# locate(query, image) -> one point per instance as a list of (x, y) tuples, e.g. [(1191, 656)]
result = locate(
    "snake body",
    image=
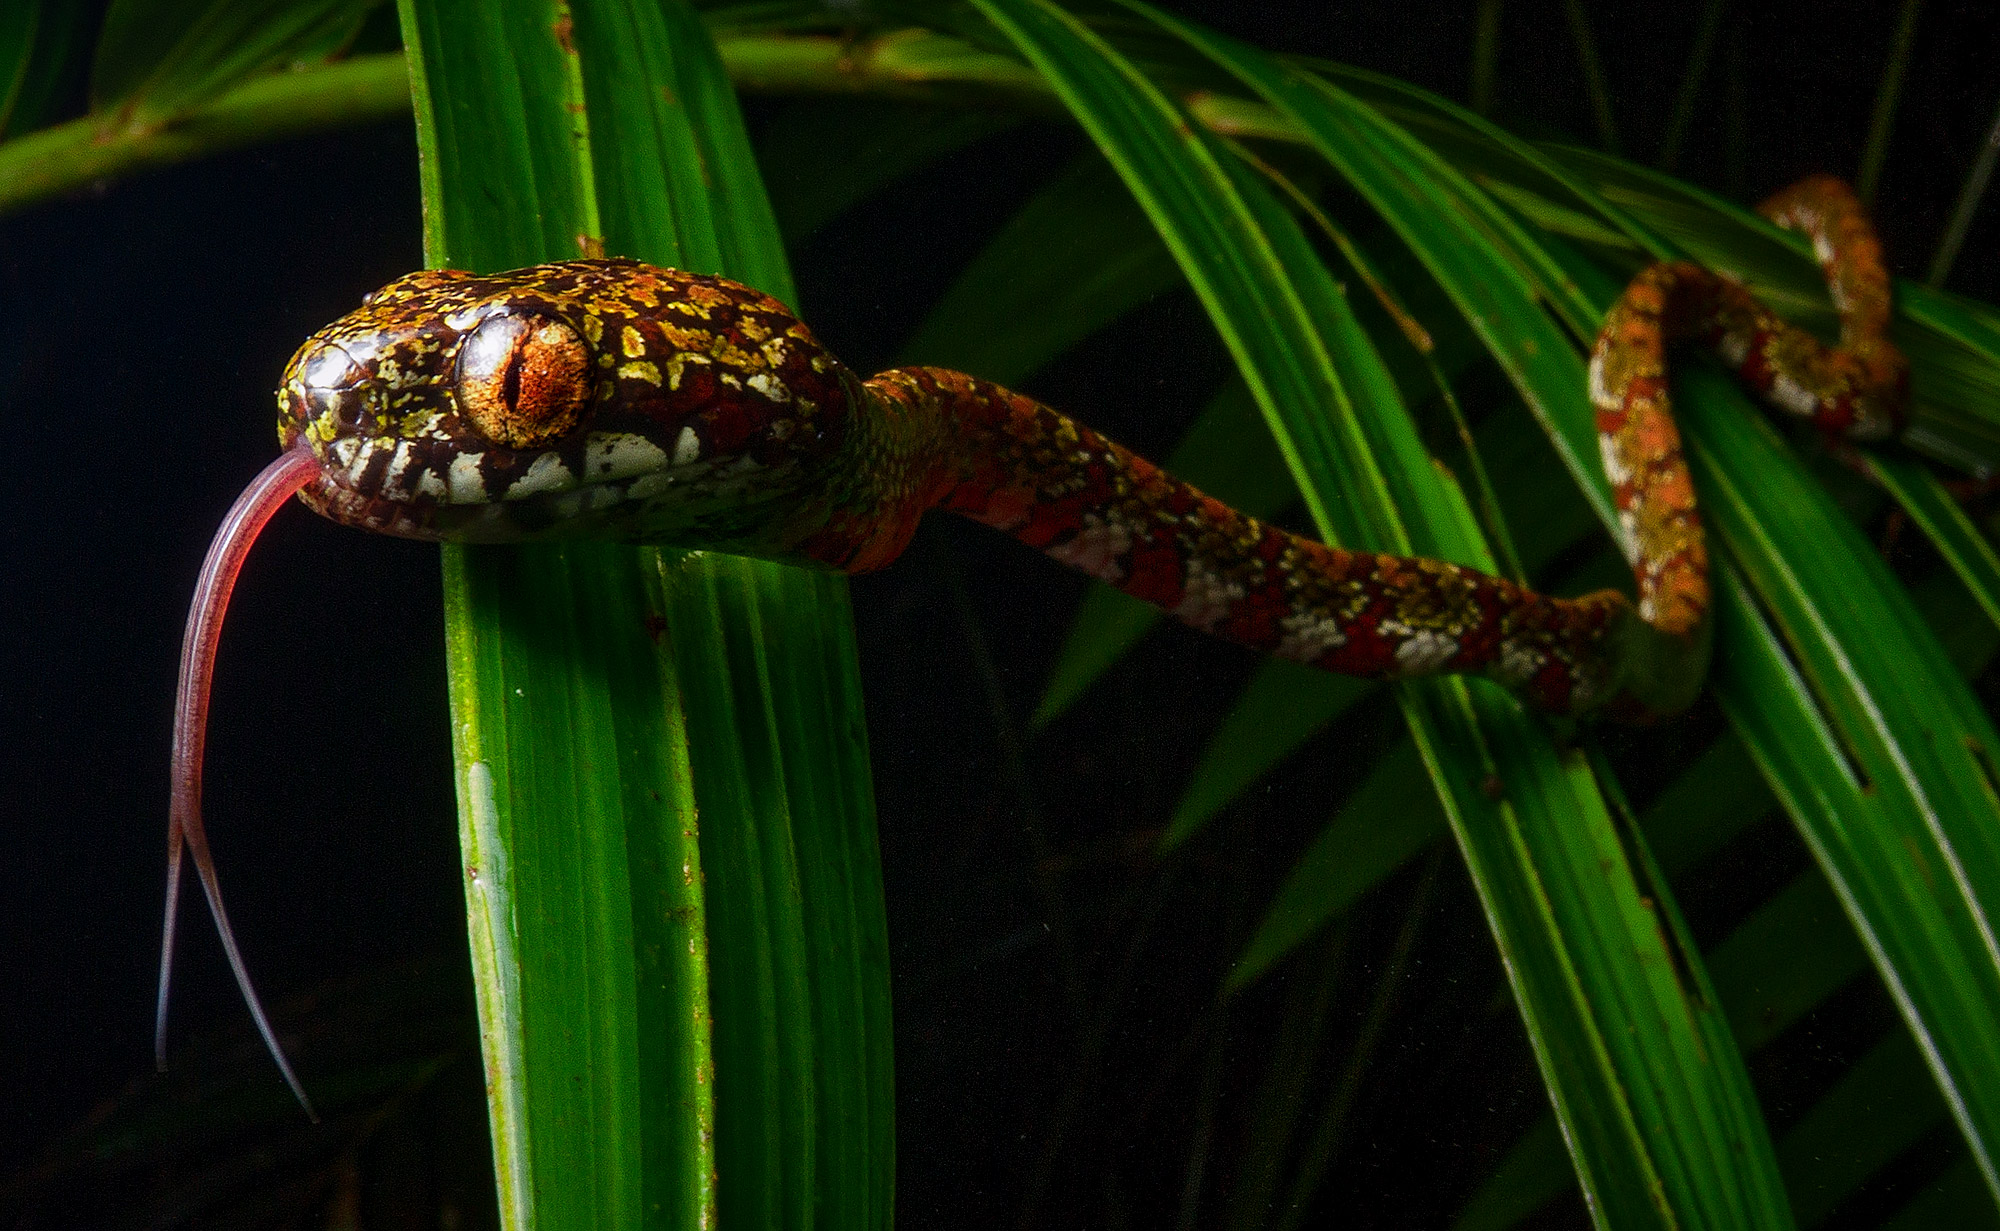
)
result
[(617, 400), (613, 399)]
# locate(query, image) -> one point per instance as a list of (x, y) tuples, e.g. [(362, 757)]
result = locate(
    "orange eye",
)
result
[(523, 380)]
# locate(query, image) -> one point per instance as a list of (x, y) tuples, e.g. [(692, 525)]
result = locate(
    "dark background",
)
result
[(146, 323)]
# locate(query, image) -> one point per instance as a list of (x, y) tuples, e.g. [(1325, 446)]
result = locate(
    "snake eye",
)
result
[(523, 379)]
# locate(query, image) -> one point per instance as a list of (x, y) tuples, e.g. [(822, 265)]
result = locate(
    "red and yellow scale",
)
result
[(616, 400)]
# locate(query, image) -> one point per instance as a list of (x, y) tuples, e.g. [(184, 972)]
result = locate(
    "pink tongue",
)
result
[(278, 482)]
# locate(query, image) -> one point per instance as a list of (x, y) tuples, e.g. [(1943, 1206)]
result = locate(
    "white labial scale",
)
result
[(358, 465), (1096, 548), (620, 455), (687, 447), (1734, 348), (1206, 598), (464, 484), (392, 480), (545, 474)]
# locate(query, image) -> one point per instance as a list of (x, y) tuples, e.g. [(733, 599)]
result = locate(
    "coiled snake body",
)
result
[(612, 399)]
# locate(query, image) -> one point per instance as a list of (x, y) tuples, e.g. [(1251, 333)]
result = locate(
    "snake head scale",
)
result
[(600, 398)]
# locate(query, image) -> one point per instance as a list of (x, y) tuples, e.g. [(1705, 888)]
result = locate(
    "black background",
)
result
[(146, 323)]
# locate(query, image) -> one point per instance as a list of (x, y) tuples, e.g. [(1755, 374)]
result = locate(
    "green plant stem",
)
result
[(1485, 55), (1332, 1122), (1887, 95), (1968, 204), (1735, 113), (69, 156), (914, 65), (1593, 75), (1697, 70)]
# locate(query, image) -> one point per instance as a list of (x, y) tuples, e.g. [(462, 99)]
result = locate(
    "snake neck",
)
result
[(927, 438)]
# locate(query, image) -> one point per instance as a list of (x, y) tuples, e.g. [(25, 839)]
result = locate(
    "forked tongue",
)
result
[(278, 482)]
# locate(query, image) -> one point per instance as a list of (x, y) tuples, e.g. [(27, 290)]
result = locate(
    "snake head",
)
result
[(599, 398)]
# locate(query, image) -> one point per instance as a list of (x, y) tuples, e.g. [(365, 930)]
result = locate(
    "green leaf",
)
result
[(1912, 729), (1711, 802), (158, 58), (821, 158), (1904, 826), (1942, 519), (1957, 1199), (1825, 1159), (1282, 707), (1284, 320), (19, 24), (1787, 957), (634, 886), (1075, 258), (41, 46), (1388, 820), (1531, 1175)]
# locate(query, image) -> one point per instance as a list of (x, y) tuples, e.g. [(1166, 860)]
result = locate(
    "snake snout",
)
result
[(327, 394)]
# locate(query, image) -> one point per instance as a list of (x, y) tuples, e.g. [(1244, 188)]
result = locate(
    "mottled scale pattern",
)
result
[(1854, 390), (711, 417), (1014, 464), (708, 403)]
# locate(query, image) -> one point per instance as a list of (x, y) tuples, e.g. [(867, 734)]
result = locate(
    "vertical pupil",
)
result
[(522, 378), (510, 377)]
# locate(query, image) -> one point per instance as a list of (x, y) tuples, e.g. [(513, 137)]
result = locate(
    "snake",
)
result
[(611, 399)]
